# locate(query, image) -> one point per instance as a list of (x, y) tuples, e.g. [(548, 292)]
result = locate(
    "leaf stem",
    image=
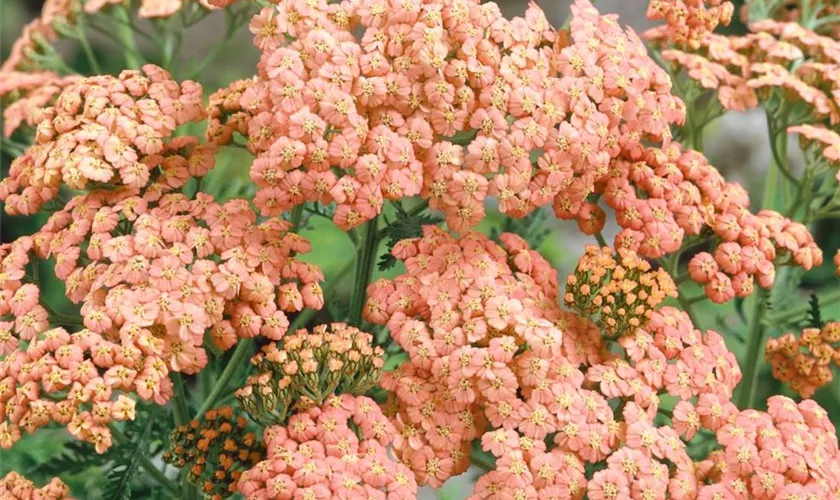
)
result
[(86, 48), (239, 354), (364, 271), (125, 34), (600, 238), (182, 413), (147, 464), (755, 335)]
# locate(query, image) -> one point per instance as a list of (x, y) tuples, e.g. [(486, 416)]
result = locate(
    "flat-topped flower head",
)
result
[(108, 131), (335, 450)]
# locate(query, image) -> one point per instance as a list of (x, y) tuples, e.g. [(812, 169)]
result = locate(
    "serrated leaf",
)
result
[(814, 313), (118, 484)]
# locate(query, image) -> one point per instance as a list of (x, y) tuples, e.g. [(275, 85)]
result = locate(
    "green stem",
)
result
[(125, 34), (239, 354), (755, 332), (296, 217), (147, 464), (600, 238), (86, 48), (483, 462), (182, 413), (364, 271)]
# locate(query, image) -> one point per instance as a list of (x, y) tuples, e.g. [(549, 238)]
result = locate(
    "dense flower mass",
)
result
[(215, 451), (153, 277), (306, 368), (803, 66), (788, 452), (491, 357), (805, 361), (451, 101), (16, 487), (355, 103), (110, 131), (338, 450), (688, 20), (25, 94)]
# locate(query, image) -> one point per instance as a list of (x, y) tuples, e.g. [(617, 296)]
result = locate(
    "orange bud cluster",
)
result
[(216, 450), (805, 361), (304, 369), (621, 289)]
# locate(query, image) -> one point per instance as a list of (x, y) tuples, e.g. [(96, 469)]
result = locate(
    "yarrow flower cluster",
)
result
[(337, 450), (492, 357), (451, 98), (822, 143), (668, 195), (305, 368), (16, 487), (25, 95), (788, 452), (688, 20), (462, 311), (805, 361), (152, 9), (154, 278), (801, 65), (216, 450), (620, 288), (109, 131)]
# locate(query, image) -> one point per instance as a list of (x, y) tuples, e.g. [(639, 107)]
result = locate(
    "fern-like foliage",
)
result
[(120, 477), (407, 224), (815, 319), (531, 228)]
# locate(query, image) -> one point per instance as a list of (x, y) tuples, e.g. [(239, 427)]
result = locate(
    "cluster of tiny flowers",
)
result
[(462, 311), (748, 246), (153, 9), (16, 487), (620, 288), (788, 452), (216, 449), (450, 100), (74, 380), (822, 143), (39, 30), (662, 196), (338, 450), (801, 65), (112, 131), (305, 368), (571, 401), (805, 361), (153, 278), (688, 20), (487, 360), (25, 94)]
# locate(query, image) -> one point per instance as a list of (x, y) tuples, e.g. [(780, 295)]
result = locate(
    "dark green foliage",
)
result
[(120, 477), (814, 315), (531, 228), (407, 224)]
